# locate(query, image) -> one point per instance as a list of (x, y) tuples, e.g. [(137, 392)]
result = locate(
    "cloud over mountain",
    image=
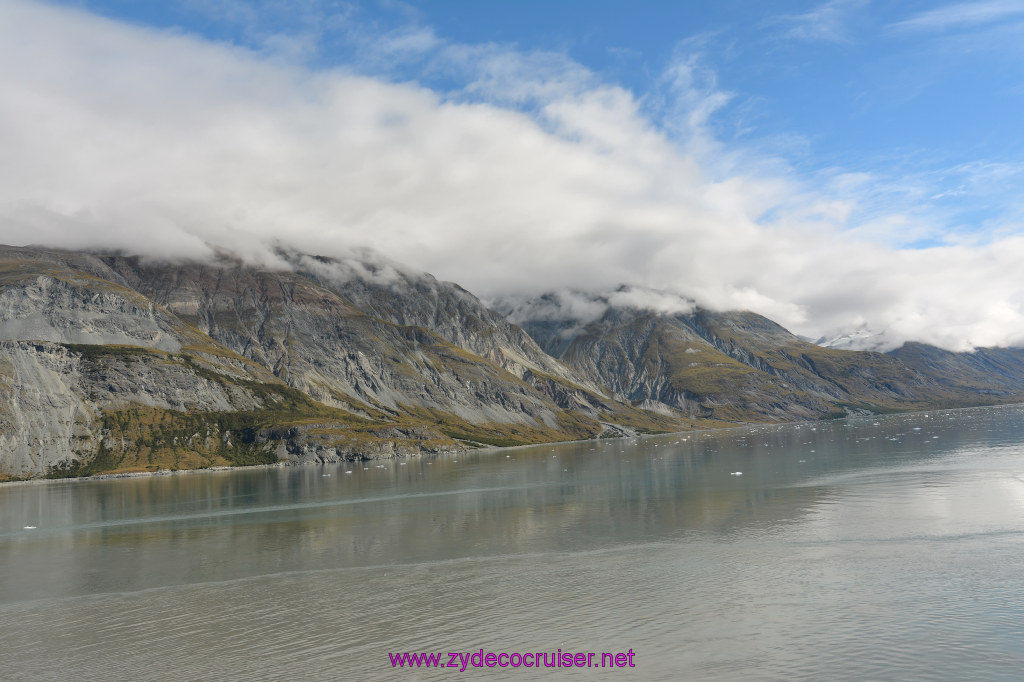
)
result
[(531, 175)]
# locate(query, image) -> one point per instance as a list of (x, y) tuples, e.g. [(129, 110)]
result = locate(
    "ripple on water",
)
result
[(837, 555)]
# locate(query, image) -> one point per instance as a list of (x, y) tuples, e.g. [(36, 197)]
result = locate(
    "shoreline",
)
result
[(149, 474), (288, 463), (488, 448)]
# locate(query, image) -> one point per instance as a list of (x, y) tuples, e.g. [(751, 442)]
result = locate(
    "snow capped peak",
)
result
[(861, 338)]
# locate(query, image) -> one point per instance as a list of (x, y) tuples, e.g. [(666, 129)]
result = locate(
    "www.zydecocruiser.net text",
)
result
[(463, 660)]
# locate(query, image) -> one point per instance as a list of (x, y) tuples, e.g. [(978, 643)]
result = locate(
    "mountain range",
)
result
[(117, 363)]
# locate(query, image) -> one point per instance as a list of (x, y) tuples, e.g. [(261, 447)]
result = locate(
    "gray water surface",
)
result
[(887, 548)]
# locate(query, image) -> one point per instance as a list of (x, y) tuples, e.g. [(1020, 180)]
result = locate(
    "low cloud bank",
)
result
[(581, 308), (117, 136)]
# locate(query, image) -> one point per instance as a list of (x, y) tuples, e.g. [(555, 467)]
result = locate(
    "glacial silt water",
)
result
[(886, 548)]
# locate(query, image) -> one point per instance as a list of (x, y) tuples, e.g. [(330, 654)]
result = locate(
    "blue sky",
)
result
[(851, 164)]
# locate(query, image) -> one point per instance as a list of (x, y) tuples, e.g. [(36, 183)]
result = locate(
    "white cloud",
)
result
[(569, 305), (828, 22), (961, 15), (536, 177), (662, 302), (363, 264)]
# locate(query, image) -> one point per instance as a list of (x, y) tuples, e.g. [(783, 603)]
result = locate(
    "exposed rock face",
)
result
[(995, 372), (48, 308), (151, 357), (44, 416), (742, 366), (665, 362), (307, 444), (112, 363), (403, 297), (317, 341), (56, 400)]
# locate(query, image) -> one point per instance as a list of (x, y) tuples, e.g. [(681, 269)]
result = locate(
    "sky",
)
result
[(842, 166)]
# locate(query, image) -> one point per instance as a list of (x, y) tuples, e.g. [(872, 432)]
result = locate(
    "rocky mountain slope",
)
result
[(111, 362), (741, 366), (995, 372), (135, 352), (94, 376)]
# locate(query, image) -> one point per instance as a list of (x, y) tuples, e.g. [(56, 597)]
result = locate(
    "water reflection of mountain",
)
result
[(120, 535)]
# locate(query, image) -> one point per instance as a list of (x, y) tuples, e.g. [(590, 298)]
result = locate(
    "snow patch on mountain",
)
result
[(859, 339)]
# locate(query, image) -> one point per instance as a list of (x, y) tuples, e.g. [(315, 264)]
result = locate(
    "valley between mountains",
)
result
[(114, 363)]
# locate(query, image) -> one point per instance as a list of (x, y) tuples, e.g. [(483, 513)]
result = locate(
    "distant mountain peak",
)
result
[(860, 338)]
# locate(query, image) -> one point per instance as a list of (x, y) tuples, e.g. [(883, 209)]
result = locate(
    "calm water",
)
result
[(872, 548)]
